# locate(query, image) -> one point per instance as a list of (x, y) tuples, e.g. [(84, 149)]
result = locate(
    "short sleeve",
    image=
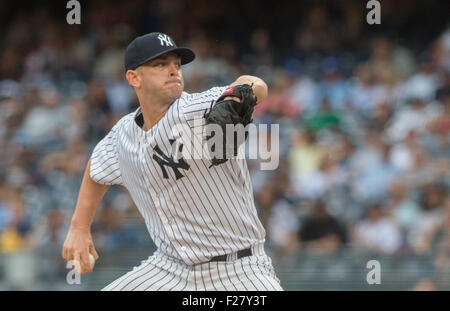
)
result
[(105, 168)]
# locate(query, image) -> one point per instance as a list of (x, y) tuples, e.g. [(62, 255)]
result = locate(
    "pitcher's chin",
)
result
[(175, 91)]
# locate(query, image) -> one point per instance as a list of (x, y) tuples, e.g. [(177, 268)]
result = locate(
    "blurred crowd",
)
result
[(364, 125)]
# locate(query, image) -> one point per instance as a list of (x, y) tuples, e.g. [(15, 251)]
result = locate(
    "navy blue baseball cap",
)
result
[(152, 45)]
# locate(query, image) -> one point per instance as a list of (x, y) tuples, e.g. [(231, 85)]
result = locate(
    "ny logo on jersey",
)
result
[(165, 40), (164, 160)]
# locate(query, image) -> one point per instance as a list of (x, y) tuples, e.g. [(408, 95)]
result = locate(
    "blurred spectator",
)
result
[(377, 232), (426, 170), (414, 117), (366, 93), (401, 206), (443, 242), (423, 84), (109, 229), (100, 118), (387, 56), (264, 202), (208, 70), (381, 114), (376, 175), (10, 65), (63, 171), (332, 85), (403, 154), (278, 104), (303, 90), (79, 112), (49, 235), (324, 118), (321, 232), (44, 125), (306, 154), (422, 233), (120, 94), (16, 230), (260, 56), (441, 123), (316, 33), (110, 61), (282, 228), (305, 159), (325, 180)]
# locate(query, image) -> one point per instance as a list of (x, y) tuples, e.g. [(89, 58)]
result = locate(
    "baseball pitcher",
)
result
[(199, 210)]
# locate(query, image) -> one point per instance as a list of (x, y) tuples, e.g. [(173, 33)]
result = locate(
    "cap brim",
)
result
[(186, 55)]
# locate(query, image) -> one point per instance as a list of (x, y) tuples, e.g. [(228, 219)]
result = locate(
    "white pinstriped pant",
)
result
[(162, 273)]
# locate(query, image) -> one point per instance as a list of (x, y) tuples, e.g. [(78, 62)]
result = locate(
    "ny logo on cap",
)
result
[(165, 40)]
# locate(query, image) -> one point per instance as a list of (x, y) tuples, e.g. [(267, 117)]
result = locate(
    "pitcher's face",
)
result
[(162, 77)]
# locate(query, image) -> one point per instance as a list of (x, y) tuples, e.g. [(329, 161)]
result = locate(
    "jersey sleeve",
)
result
[(196, 104), (105, 168)]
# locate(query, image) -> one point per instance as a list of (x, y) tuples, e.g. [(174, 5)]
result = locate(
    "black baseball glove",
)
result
[(230, 111)]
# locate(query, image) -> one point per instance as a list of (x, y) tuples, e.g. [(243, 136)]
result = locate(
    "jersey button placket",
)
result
[(142, 142), (146, 156), (143, 154)]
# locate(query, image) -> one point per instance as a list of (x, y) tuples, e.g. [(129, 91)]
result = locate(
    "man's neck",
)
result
[(152, 114)]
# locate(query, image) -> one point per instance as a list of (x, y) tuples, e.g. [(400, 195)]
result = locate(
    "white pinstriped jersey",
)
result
[(192, 211)]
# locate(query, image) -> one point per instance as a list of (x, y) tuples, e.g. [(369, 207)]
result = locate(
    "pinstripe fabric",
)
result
[(192, 211), (164, 273)]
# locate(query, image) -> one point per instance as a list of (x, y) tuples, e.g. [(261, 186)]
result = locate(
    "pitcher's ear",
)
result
[(133, 78)]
